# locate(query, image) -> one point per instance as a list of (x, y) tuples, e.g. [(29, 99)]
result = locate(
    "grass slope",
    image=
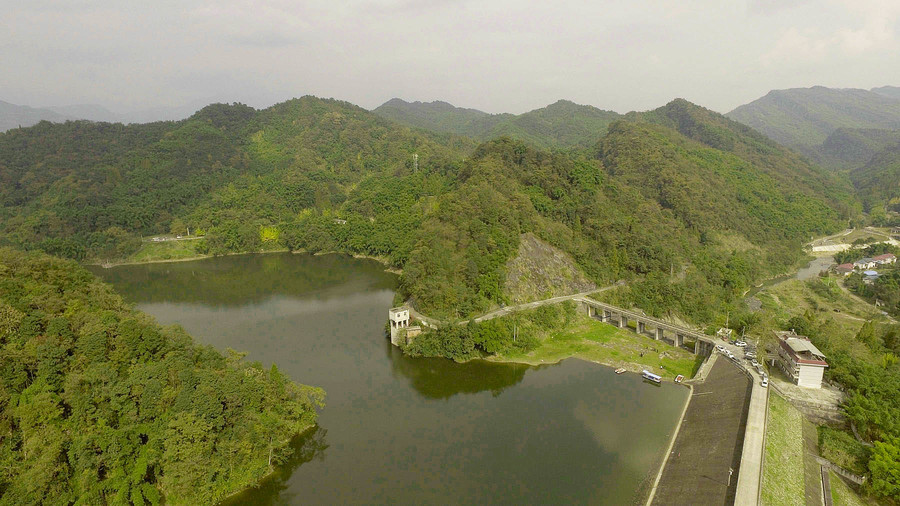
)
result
[(783, 470), (588, 339)]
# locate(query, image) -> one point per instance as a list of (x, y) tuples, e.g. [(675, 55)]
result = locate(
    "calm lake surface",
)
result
[(403, 430)]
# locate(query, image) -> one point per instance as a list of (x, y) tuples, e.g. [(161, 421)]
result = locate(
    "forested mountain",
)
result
[(878, 181), (100, 405), (888, 91), (678, 191), (851, 148), (15, 116), (90, 112), (439, 117), (803, 118), (562, 124), (806, 116)]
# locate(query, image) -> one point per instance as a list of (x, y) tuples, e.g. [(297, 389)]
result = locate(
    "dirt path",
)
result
[(864, 302)]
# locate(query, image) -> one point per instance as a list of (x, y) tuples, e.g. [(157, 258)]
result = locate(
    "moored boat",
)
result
[(620, 370), (647, 375), (679, 378)]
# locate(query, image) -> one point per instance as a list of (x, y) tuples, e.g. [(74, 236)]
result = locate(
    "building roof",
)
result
[(870, 273), (886, 256), (863, 261), (801, 349), (844, 267)]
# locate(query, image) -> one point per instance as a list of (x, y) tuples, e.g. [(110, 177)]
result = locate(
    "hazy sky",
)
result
[(498, 56)]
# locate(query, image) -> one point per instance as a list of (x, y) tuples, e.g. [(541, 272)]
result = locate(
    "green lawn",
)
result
[(603, 343), (842, 494), (783, 470), (167, 250)]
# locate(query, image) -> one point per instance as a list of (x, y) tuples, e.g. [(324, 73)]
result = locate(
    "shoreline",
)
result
[(382, 260), (270, 474), (503, 360)]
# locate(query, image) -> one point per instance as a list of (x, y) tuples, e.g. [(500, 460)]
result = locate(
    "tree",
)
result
[(885, 467)]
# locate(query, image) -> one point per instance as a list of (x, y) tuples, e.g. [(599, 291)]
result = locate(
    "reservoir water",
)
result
[(403, 430)]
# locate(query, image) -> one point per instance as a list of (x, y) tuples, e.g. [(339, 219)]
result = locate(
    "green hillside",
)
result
[(803, 118), (854, 147), (888, 91), (100, 405), (562, 124), (679, 191), (878, 181), (439, 117)]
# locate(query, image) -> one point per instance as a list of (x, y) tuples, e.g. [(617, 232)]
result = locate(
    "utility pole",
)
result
[(416, 162)]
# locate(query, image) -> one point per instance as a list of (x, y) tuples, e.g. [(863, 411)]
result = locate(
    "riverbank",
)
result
[(601, 343), (382, 260), (275, 471)]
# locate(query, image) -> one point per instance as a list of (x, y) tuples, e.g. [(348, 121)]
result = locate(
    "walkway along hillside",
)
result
[(703, 344)]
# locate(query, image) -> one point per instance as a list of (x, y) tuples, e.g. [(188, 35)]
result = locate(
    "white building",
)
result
[(399, 317), (864, 263), (800, 359)]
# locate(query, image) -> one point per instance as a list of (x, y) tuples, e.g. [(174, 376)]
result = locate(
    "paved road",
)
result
[(750, 472)]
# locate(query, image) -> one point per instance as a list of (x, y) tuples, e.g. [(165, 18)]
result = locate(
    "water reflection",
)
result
[(274, 489), (239, 279), (438, 378), (404, 430)]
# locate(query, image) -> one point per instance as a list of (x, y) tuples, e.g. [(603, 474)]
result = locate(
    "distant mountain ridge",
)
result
[(562, 124), (841, 129), (888, 91), (805, 117), (15, 116), (649, 192)]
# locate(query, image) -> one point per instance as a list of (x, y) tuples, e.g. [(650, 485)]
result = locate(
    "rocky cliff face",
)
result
[(540, 271)]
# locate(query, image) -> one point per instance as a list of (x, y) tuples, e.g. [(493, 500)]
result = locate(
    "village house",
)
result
[(869, 277), (864, 263), (799, 358), (887, 258), (844, 269)]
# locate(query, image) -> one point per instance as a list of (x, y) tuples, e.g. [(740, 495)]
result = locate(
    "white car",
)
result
[(729, 354), (720, 348), (740, 344), (764, 383), (754, 363)]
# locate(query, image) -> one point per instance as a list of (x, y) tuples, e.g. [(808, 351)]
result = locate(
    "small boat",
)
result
[(620, 370), (647, 375), (679, 378)]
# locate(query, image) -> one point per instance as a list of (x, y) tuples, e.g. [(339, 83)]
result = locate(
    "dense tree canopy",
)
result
[(100, 405), (678, 196)]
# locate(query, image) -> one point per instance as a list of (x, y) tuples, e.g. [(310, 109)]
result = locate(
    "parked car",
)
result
[(764, 383), (754, 363), (720, 348), (740, 344)]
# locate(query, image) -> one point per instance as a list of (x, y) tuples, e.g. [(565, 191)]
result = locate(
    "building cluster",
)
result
[(867, 266), (799, 358)]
